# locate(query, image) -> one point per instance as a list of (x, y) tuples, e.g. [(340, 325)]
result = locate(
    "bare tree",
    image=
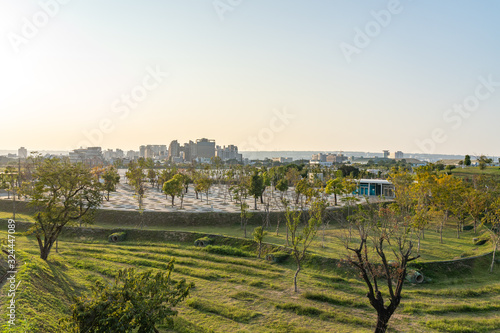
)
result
[(381, 230)]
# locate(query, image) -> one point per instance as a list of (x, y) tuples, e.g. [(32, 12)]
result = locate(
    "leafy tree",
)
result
[(477, 202), (467, 161), (302, 188), (135, 302), (349, 170), (292, 175), (380, 231), (301, 239), (165, 175), (135, 176), (492, 222), (402, 181), (152, 176), (445, 197), (174, 187), (62, 193), (258, 236), (282, 186), (256, 187), (335, 186), (205, 184), (111, 179), (484, 161)]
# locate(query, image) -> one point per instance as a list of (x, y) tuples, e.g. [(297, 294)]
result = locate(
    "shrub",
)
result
[(204, 241), (117, 237), (227, 250), (277, 257)]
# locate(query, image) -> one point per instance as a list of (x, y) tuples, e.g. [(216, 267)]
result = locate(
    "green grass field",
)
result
[(246, 294), (469, 171)]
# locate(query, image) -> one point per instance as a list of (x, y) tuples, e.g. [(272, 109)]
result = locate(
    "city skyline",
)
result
[(288, 75)]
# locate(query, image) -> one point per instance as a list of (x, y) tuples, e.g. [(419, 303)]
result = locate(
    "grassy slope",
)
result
[(431, 249), (249, 295)]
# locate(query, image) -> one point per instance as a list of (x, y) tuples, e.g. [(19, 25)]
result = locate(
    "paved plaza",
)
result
[(219, 199)]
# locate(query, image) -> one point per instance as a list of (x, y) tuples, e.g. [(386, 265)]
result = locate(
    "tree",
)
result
[(135, 302), (282, 186), (445, 195), (476, 202), (62, 193), (349, 170), (245, 215), (492, 222), (258, 236), (135, 176), (484, 161), (301, 239), (111, 179), (381, 230), (256, 187), (467, 161), (301, 188), (205, 184), (174, 187), (334, 186)]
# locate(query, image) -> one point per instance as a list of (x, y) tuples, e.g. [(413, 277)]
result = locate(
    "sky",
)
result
[(416, 76)]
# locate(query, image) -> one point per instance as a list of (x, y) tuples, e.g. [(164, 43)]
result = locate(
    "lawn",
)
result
[(246, 294)]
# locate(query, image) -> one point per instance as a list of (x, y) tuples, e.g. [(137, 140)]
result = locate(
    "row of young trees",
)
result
[(427, 197)]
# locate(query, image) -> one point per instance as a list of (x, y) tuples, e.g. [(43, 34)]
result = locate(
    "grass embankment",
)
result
[(237, 293)]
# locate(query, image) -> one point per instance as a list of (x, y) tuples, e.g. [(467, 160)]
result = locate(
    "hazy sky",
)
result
[(416, 76)]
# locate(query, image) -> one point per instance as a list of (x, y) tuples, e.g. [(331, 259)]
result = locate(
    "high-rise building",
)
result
[(386, 153), (142, 151), (399, 154), (22, 153), (228, 153), (205, 148), (173, 150), (91, 156)]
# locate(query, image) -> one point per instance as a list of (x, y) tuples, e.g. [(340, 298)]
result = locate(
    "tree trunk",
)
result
[(295, 278), (278, 226), (418, 243), (382, 322), (335, 198), (255, 203), (173, 200), (260, 248), (44, 248), (287, 235)]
